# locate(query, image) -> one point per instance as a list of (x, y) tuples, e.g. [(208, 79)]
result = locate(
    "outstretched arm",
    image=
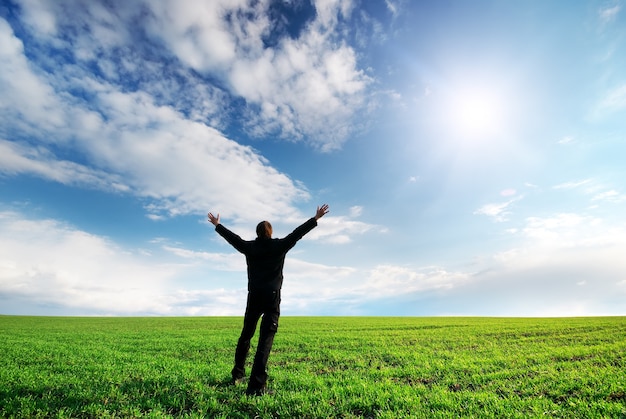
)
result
[(234, 240), (290, 240), (214, 220), (321, 211)]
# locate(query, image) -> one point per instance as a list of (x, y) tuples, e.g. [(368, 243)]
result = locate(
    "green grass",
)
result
[(350, 367)]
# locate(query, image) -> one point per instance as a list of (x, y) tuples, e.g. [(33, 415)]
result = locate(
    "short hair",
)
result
[(264, 230)]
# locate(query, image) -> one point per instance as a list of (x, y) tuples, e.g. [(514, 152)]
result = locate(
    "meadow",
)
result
[(321, 367)]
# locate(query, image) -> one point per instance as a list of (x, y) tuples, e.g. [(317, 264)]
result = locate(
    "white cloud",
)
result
[(40, 16), (232, 261), (388, 280), (48, 267), (498, 211), (329, 11), (567, 264), (341, 229), (347, 290), (563, 265), (45, 263), (307, 87), (214, 302), (304, 88), (23, 92), (300, 270), (567, 239), (130, 141), (197, 33), (563, 227), (133, 144)]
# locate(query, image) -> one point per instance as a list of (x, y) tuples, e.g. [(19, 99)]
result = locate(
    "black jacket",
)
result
[(266, 257)]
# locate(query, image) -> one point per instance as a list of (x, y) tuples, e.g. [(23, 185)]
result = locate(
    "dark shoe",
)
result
[(259, 391), (236, 381)]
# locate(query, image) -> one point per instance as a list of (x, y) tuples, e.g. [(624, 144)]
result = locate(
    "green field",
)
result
[(320, 367)]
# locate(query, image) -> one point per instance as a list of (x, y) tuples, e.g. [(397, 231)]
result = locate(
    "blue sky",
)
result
[(472, 154)]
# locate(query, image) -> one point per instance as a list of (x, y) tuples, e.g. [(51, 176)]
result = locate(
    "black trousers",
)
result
[(267, 305)]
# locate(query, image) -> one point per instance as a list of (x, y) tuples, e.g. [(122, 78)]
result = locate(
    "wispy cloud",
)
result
[(356, 211), (565, 140), (392, 7), (508, 192), (598, 192), (608, 14), (612, 102), (572, 184), (609, 196), (16, 158)]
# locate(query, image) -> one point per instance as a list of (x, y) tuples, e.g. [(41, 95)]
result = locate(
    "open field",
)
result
[(320, 367)]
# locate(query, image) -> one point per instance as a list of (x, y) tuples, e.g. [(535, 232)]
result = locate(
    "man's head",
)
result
[(264, 230)]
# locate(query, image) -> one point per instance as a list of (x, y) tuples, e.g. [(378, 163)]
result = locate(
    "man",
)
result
[(265, 258)]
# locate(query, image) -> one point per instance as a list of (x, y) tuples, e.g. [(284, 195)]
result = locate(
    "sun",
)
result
[(477, 109), (476, 112)]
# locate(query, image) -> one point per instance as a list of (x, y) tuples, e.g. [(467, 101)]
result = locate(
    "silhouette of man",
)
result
[(265, 257)]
